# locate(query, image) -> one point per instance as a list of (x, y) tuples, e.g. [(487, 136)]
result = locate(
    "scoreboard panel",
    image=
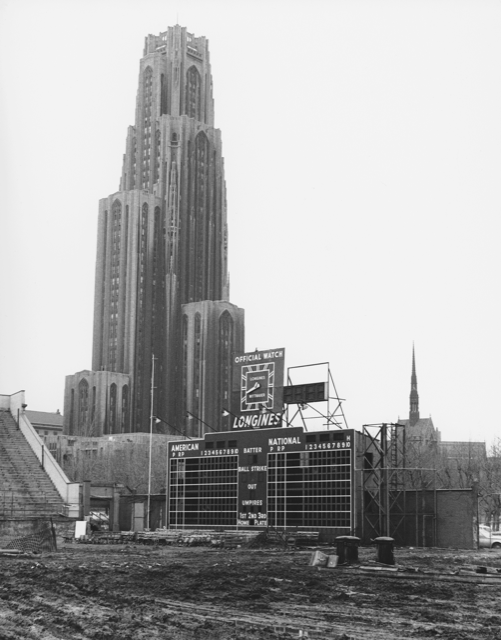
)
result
[(266, 477), (203, 491), (310, 489)]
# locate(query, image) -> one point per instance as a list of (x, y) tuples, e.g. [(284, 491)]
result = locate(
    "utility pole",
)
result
[(151, 439)]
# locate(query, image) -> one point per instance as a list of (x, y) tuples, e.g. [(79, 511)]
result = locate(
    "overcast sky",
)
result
[(362, 144)]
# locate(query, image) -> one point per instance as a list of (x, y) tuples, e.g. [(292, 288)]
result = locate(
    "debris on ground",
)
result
[(183, 592)]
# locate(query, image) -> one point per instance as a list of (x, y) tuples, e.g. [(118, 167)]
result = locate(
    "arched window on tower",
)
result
[(116, 231), (147, 91), (156, 174), (93, 410), (193, 93), (113, 408), (197, 362), (72, 412), (157, 307), (163, 95), (147, 106), (103, 260), (141, 316), (225, 350), (125, 409), (202, 192), (83, 407), (134, 161)]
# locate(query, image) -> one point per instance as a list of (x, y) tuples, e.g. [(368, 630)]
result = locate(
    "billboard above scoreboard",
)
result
[(258, 383)]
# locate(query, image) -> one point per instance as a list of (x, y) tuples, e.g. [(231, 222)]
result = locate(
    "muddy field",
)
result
[(133, 591)]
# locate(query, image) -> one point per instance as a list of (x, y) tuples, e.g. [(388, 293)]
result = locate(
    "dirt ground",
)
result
[(132, 591)]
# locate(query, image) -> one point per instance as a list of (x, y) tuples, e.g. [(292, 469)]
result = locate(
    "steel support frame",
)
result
[(385, 484), (331, 411)]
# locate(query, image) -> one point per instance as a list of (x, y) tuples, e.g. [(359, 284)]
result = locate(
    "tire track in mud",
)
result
[(301, 621), (81, 618), (102, 594)]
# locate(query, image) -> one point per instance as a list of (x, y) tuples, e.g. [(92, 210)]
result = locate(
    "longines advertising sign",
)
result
[(258, 389)]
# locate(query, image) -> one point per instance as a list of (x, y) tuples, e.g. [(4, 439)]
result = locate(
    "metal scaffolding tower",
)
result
[(320, 406), (398, 501)]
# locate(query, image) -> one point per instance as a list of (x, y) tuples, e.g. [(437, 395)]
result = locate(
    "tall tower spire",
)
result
[(414, 397), (161, 293)]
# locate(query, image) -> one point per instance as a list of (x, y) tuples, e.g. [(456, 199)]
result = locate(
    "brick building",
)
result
[(46, 423)]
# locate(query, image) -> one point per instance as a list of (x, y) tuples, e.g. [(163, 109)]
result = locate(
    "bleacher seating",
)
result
[(25, 488)]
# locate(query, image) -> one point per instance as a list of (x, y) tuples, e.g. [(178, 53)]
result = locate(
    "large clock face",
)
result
[(257, 386)]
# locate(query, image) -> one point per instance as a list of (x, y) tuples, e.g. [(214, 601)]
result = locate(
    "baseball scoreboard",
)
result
[(279, 477)]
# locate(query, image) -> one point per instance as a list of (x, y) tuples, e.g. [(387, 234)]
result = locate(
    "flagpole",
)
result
[(151, 440)]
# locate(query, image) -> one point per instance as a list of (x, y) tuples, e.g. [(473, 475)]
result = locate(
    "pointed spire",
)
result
[(414, 397)]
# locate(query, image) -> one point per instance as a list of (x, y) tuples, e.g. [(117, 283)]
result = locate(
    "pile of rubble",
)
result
[(198, 537)]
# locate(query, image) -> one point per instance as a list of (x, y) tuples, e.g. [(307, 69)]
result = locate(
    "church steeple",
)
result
[(414, 397)]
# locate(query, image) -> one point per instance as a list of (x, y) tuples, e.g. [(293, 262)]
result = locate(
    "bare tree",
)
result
[(461, 465), (126, 463), (490, 489)]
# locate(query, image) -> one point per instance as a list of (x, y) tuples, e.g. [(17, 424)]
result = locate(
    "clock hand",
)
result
[(256, 386)]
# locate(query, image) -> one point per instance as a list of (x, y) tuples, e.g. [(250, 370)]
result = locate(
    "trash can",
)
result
[(347, 549), (384, 550)]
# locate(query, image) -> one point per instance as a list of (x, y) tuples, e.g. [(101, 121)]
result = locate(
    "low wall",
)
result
[(11, 528), (427, 518), (12, 403), (456, 518)]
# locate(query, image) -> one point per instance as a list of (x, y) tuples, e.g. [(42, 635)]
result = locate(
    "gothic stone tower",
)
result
[(162, 246)]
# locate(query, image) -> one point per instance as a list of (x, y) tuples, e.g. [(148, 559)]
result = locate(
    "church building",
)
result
[(421, 437), (424, 447)]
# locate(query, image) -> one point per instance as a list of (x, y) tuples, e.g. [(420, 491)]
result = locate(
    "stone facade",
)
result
[(96, 403), (211, 333), (162, 246)]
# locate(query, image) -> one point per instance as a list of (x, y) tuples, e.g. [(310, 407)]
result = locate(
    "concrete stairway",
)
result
[(25, 489)]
